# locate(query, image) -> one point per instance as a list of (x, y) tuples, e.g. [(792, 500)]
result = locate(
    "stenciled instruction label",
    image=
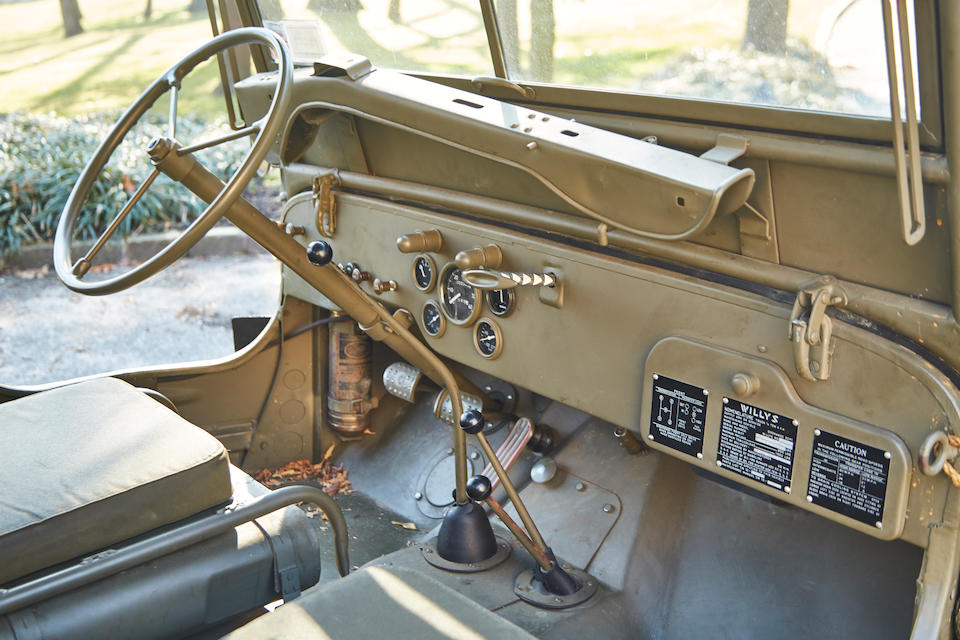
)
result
[(677, 415), (848, 477), (757, 443)]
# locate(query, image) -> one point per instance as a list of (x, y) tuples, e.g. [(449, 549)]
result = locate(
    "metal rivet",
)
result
[(514, 125), (762, 348), (809, 498), (450, 451), (705, 392), (650, 437), (887, 455), (545, 118), (726, 400), (879, 525), (608, 508), (699, 456), (531, 115), (558, 599), (796, 423), (719, 463), (474, 455), (656, 377), (418, 496), (787, 489), (580, 486), (816, 432)]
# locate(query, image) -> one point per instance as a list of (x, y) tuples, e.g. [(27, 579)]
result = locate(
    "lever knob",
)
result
[(319, 253), (479, 488), (471, 421)]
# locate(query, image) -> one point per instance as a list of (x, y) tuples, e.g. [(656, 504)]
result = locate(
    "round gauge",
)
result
[(433, 321), (424, 272), (487, 338), (501, 301), (460, 302)]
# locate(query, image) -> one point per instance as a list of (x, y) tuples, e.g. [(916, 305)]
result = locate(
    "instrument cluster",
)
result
[(459, 303)]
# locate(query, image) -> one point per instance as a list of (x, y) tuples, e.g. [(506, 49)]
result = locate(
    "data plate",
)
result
[(677, 415), (848, 477), (757, 443)]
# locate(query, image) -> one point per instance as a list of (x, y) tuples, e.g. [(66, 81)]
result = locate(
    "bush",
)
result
[(41, 157)]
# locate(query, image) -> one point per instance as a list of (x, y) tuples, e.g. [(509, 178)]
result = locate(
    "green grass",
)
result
[(106, 67)]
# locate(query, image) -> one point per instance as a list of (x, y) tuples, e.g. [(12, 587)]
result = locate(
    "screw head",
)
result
[(580, 486), (418, 496), (608, 508)]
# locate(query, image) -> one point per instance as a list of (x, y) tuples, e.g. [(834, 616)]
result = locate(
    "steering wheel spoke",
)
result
[(264, 132), (83, 265), (227, 137)]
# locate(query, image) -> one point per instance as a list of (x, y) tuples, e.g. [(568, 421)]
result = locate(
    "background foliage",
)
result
[(41, 157)]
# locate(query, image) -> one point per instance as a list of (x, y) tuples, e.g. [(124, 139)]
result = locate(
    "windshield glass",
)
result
[(423, 35), (821, 55)]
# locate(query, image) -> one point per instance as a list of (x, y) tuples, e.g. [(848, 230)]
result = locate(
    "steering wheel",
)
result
[(266, 130)]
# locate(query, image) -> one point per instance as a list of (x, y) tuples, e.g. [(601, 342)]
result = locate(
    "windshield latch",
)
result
[(325, 203), (811, 329)]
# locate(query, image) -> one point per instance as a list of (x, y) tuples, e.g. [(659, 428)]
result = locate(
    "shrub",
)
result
[(41, 157)]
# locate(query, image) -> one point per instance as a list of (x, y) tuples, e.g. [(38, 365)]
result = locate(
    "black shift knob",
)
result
[(479, 488), (319, 253), (471, 421)]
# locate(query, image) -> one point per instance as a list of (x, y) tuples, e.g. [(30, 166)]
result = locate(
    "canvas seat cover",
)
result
[(381, 602), (88, 465)]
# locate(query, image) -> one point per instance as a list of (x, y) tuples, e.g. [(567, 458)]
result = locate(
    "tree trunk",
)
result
[(148, 10), (197, 6), (70, 11), (766, 26), (542, 38)]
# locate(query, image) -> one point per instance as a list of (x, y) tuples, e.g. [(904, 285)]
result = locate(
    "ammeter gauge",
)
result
[(487, 338)]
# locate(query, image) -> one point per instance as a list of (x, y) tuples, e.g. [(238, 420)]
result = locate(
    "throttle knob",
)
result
[(471, 421), (479, 488), (319, 253)]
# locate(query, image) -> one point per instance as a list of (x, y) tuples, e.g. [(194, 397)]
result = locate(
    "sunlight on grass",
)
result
[(107, 66)]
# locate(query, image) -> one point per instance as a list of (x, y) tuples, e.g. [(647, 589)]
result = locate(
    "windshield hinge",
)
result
[(811, 329), (325, 203)]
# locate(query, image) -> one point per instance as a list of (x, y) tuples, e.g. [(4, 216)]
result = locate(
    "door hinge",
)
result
[(325, 203), (811, 329)]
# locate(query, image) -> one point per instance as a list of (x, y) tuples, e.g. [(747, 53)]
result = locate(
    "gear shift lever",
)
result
[(551, 578)]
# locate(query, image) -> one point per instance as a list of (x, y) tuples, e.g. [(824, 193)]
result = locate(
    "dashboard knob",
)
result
[(479, 488), (319, 253), (421, 241), (471, 421), (488, 256)]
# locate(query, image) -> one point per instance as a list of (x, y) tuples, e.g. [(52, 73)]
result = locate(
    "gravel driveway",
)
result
[(49, 333)]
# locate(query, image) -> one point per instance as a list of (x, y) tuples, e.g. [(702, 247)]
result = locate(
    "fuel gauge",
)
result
[(433, 321), (501, 301), (487, 338), (424, 272)]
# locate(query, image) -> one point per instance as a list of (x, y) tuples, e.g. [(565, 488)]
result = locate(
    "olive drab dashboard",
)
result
[(647, 359)]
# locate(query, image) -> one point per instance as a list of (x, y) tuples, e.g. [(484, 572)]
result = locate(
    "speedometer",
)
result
[(459, 301)]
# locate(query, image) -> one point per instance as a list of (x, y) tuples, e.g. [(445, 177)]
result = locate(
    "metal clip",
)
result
[(325, 203), (811, 329)]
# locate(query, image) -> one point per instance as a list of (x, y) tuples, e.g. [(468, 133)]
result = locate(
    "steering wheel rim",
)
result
[(267, 129)]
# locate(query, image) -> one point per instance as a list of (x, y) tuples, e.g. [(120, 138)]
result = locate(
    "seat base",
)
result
[(184, 592)]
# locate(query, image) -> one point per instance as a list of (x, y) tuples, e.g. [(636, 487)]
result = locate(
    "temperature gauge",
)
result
[(433, 321), (487, 338), (501, 301), (424, 272)]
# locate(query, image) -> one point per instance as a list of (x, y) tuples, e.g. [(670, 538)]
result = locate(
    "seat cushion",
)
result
[(381, 602), (91, 464)]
